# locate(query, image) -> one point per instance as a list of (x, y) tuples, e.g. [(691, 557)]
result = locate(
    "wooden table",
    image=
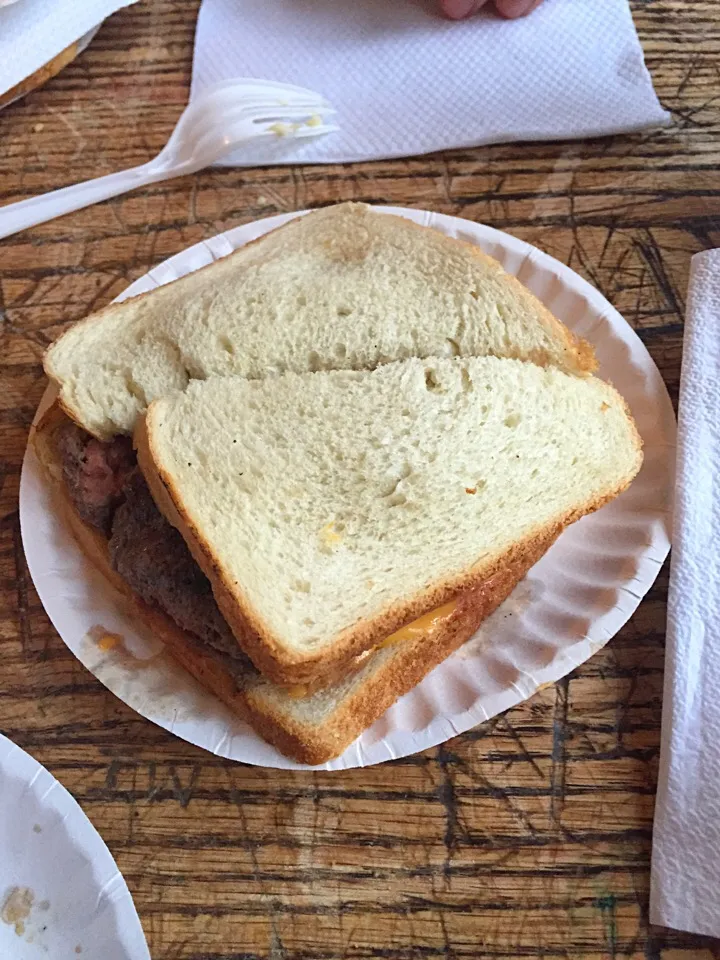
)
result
[(528, 837)]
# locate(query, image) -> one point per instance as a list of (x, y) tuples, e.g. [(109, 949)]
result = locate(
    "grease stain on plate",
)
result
[(60, 888), (525, 593), (142, 674), (16, 908)]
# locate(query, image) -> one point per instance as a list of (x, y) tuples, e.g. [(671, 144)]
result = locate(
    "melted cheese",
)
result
[(422, 627), (329, 535), (108, 641)]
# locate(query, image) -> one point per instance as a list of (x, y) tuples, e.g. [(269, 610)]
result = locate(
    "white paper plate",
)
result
[(34, 80), (72, 900), (572, 602)]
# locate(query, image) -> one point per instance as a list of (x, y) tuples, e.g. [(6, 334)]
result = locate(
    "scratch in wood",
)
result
[(688, 114), (521, 746), (607, 905), (275, 947), (22, 590), (192, 203), (686, 76), (111, 774), (277, 198), (446, 182), (640, 292), (485, 730), (704, 233), (132, 812), (448, 950), (299, 201), (153, 787), (559, 759), (276, 950), (610, 233), (446, 796), (184, 794), (63, 117), (653, 257)]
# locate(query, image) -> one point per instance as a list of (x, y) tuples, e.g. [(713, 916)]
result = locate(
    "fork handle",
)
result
[(28, 213)]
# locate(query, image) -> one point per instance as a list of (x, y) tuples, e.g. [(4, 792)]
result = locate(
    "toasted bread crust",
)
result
[(42, 75), (312, 745), (413, 661), (401, 673), (271, 657)]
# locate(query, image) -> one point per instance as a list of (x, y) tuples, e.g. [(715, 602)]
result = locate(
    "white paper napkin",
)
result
[(32, 32), (407, 82), (685, 891)]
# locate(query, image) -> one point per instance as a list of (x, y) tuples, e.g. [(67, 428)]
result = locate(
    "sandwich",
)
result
[(343, 288), (316, 466)]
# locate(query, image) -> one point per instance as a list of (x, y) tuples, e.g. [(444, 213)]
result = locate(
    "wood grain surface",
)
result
[(528, 837)]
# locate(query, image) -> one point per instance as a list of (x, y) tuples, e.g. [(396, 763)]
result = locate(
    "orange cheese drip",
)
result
[(422, 627), (108, 641)]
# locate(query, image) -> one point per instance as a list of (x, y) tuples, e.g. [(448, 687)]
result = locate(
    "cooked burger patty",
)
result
[(95, 473), (152, 557), (109, 492)]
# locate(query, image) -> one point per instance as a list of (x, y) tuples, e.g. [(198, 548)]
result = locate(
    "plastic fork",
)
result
[(223, 118)]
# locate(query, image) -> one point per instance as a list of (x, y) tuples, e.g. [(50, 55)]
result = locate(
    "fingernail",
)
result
[(516, 8), (458, 9)]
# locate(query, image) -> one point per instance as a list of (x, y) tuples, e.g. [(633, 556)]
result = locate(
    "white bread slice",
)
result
[(314, 727), (329, 509), (343, 287)]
